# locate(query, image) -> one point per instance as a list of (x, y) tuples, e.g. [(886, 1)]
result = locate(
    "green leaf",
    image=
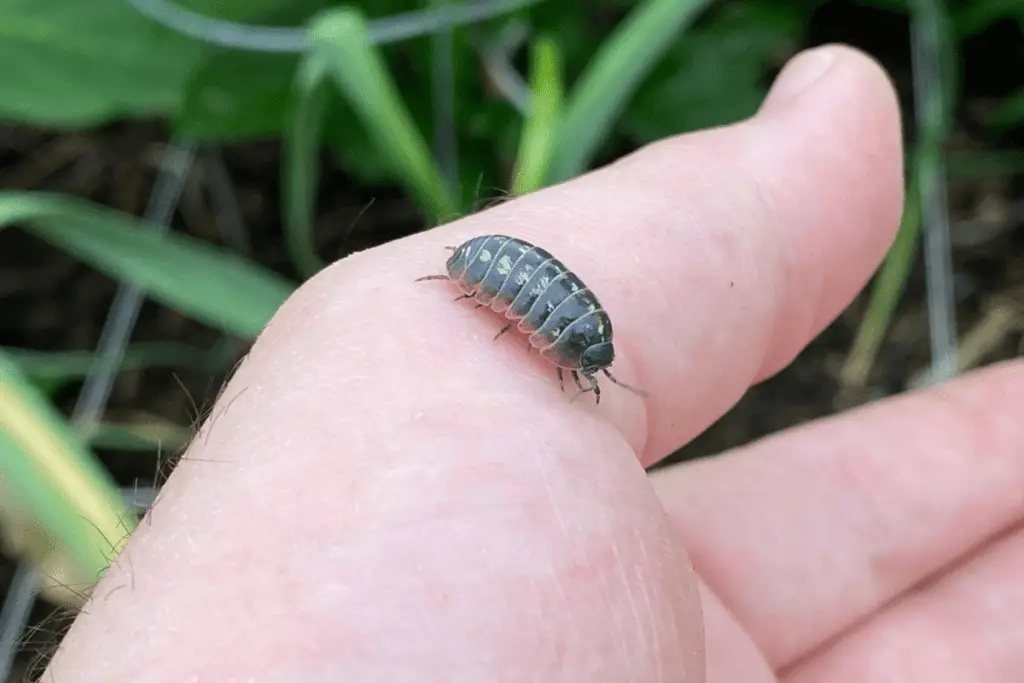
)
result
[(971, 18), (898, 5), (72, 63), (75, 63), (236, 96), (301, 168), (59, 504), (144, 437), (207, 283), (981, 163), (542, 118), (1009, 113), (239, 94), (48, 366), (360, 72), (618, 68), (715, 75)]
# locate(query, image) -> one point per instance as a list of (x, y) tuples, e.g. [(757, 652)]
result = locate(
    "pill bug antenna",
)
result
[(638, 392), (432, 277), (451, 248)]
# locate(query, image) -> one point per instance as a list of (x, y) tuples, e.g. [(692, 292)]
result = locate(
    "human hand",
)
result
[(384, 494)]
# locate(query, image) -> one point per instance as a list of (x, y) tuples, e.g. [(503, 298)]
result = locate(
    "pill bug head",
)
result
[(459, 260), (596, 357)]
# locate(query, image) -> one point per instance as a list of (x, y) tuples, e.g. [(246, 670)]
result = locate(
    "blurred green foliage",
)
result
[(73, 64)]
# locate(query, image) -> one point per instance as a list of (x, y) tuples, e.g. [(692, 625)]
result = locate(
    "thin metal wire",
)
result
[(124, 310), (14, 615), (226, 209), (497, 59), (139, 497), (296, 39), (931, 110)]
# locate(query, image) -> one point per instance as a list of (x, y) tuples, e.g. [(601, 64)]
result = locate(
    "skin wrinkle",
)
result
[(620, 572)]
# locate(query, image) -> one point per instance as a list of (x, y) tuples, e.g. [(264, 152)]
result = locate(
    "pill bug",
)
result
[(563, 318)]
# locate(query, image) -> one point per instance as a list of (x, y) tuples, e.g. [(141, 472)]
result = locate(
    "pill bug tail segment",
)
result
[(638, 392)]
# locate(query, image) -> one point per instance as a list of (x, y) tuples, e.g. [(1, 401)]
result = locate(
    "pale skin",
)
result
[(384, 493)]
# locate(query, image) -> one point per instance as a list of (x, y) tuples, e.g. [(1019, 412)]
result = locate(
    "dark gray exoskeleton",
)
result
[(563, 318)]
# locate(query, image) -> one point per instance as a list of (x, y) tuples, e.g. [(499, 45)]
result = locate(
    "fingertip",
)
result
[(839, 112), (811, 73)]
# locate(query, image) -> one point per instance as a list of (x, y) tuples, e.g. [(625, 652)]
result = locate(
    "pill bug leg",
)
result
[(576, 379), (638, 392), (595, 388), (583, 390), (503, 331), (561, 379)]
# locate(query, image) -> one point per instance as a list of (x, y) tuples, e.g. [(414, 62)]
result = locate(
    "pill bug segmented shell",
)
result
[(563, 318)]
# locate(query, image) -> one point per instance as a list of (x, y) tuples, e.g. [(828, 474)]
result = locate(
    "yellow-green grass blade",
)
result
[(886, 293), (542, 117), (58, 504)]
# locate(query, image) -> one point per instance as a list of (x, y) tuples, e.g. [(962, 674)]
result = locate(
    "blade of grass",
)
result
[(137, 436), (924, 209), (207, 283), (886, 292), (359, 70), (611, 78), (75, 518), (986, 163), (301, 168), (74, 365), (543, 112), (442, 55)]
